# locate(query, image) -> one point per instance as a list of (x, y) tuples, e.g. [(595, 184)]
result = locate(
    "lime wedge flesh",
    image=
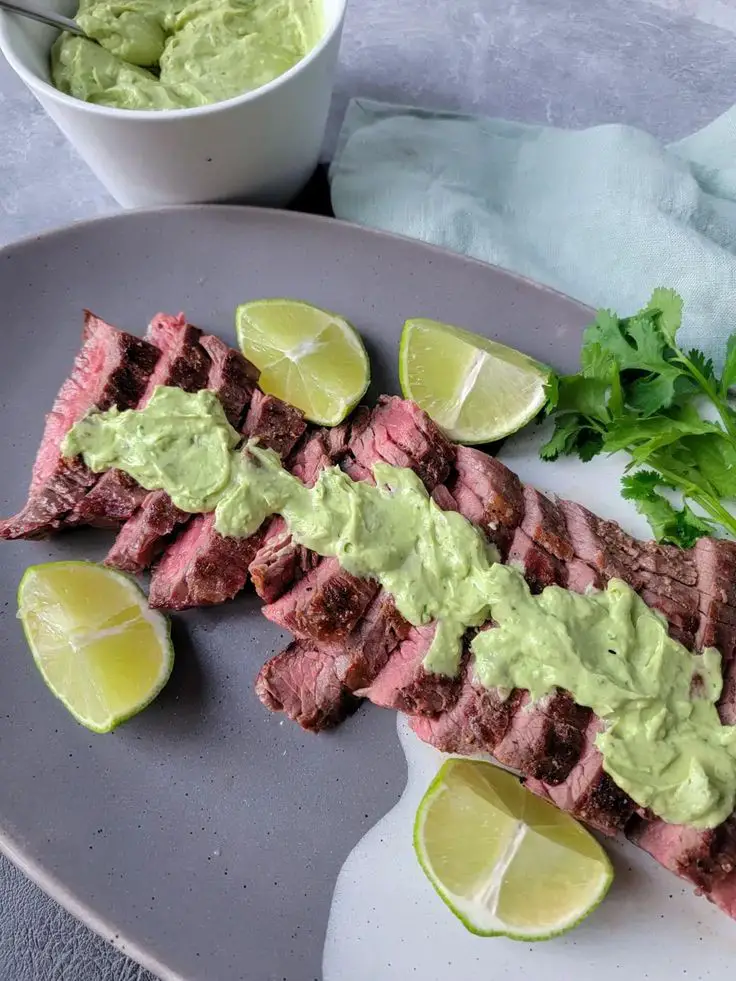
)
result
[(476, 389), (506, 862), (308, 357), (98, 646)]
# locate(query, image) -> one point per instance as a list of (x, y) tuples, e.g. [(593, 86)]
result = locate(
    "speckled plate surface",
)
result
[(205, 837)]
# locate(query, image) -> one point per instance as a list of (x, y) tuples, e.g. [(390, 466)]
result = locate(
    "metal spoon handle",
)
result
[(30, 9)]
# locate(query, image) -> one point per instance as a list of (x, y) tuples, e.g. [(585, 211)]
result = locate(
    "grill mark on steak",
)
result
[(405, 685), (182, 363), (588, 792), (111, 369), (275, 425), (338, 669)]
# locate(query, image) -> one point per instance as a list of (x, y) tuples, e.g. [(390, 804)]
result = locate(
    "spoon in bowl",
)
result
[(30, 9)]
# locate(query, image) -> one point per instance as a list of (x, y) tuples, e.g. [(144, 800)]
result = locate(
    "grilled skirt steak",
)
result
[(351, 642)]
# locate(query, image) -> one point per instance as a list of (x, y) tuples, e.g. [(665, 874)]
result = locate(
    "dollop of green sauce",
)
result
[(172, 54), (181, 443), (662, 741)]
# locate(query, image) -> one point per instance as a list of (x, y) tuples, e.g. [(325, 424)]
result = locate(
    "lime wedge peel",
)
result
[(99, 647), (504, 861), (309, 357), (476, 389)]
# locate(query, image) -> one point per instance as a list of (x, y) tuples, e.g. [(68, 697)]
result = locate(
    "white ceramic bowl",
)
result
[(260, 147)]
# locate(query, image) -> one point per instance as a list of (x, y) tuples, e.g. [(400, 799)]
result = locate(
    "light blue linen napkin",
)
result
[(602, 214)]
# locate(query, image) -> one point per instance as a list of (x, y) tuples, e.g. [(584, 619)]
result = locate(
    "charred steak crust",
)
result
[(112, 368)]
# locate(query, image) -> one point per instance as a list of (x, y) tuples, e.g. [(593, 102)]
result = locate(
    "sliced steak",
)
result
[(715, 560), (222, 370), (314, 683), (111, 369), (404, 684), (539, 567), (488, 494), (324, 606), (544, 523), (143, 536), (201, 568), (301, 681), (545, 738), (400, 433), (273, 423), (703, 857), (588, 792), (182, 364), (231, 376), (477, 721), (113, 500)]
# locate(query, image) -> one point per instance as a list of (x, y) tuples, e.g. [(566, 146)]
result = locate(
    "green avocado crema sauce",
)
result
[(175, 54), (661, 740)]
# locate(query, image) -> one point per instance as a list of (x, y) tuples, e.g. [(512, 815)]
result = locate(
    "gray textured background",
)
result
[(665, 65)]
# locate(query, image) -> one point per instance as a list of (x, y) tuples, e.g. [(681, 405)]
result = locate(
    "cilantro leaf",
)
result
[(572, 434), (702, 364), (666, 305), (728, 378), (654, 392), (588, 396), (669, 524)]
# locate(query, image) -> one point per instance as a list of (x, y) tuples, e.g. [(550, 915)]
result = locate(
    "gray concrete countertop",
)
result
[(665, 65)]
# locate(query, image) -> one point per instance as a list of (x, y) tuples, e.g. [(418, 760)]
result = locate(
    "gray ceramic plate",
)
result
[(204, 838)]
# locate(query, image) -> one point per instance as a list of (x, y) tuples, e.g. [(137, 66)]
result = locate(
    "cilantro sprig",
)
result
[(640, 393)]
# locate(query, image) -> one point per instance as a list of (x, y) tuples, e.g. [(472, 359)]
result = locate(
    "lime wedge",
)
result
[(308, 357), (477, 390), (99, 647), (506, 862)]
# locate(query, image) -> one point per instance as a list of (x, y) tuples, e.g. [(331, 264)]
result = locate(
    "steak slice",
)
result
[(141, 537), (286, 681), (405, 685), (477, 721), (544, 523), (324, 606), (400, 433), (539, 567), (588, 792), (301, 681), (112, 501), (275, 424), (702, 857), (715, 560), (279, 562), (202, 567), (111, 369), (545, 738), (182, 363), (488, 494), (231, 376)]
